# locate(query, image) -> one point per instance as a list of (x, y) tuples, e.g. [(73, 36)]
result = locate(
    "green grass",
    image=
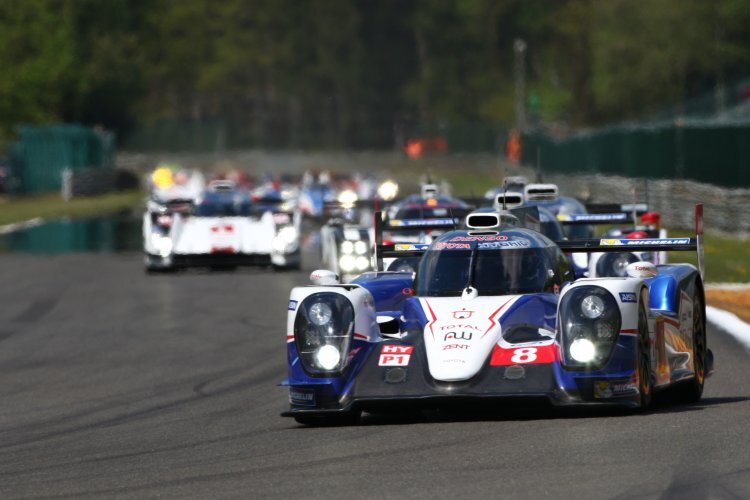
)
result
[(727, 259), (49, 206)]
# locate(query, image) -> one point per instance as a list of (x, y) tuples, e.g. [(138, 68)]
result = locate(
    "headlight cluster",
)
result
[(353, 256), (615, 265), (286, 239), (590, 321), (162, 243), (323, 331)]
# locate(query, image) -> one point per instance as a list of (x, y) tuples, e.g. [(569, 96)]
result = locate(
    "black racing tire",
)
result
[(336, 420), (691, 390), (643, 360)]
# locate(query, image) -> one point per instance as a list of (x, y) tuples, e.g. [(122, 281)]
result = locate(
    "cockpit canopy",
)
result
[(507, 262)]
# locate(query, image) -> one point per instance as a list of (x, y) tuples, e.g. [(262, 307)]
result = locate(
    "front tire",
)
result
[(691, 391), (643, 360)]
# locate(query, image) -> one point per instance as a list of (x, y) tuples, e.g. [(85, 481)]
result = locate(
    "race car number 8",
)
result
[(524, 355)]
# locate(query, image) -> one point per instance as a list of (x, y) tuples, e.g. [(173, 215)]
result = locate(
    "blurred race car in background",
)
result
[(495, 314), (346, 237), (222, 227), (614, 264)]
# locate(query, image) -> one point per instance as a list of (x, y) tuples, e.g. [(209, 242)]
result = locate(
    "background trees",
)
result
[(346, 73)]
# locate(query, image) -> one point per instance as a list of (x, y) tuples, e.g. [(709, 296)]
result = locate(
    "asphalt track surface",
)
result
[(115, 384)]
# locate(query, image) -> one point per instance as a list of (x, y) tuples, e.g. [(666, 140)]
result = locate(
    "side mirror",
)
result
[(324, 277)]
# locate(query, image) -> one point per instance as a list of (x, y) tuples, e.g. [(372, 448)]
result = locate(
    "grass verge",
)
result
[(50, 206)]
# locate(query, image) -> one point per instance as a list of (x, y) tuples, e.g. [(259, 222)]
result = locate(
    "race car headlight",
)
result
[(592, 306), (347, 247), (582, 350), (388, 190), (163, 244), (286, 239), (347, 198), (590, 322), (322, 331), (320, 313), (362, 263), (327, 357), (347, 263), (360, 247)]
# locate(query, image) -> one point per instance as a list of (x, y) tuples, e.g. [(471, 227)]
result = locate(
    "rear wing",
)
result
[(603, 208), (588, 219), (644, 244), (404, 249)]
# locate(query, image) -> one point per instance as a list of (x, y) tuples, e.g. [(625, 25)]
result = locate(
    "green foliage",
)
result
[(349, 73)]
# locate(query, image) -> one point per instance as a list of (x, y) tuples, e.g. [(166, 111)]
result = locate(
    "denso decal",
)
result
[(505, 244), (486, 237), (395, 355), (627, 297), (441, 245), (457, 336), (292, 305)]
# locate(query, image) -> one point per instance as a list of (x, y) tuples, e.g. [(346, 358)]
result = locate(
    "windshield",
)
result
[(219, 209), (497, 272)]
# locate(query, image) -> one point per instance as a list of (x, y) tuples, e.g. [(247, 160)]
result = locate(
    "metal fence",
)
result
[(42, 153), (704, 151)]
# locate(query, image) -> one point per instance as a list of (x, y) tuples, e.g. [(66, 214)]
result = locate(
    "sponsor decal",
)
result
[(627, 297), (448, 347), (605, 389), (457, 336), (407, 247), (407, 291), (301, 397), (441, 245), (502, 356), (645, 241), (421, 222), (485, 237), (505, 244), (606, 243), (460, 327), (462, 314), (395, 355), (595, 217), (292, 305)]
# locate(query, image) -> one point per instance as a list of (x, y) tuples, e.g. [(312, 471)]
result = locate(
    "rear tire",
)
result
[(691, 391)]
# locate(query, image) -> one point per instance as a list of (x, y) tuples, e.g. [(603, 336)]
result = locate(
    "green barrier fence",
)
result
[(41, 154), (701, 151)]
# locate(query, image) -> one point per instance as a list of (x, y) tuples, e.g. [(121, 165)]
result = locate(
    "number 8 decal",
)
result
[(524, 355)]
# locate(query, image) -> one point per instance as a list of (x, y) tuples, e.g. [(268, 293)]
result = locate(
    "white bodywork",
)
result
[(239, 235), (365, 318)]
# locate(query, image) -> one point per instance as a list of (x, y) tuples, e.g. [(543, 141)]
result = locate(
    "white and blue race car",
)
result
[(493, 314)]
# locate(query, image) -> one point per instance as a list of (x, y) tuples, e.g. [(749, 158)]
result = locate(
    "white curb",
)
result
[(730, 323)]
